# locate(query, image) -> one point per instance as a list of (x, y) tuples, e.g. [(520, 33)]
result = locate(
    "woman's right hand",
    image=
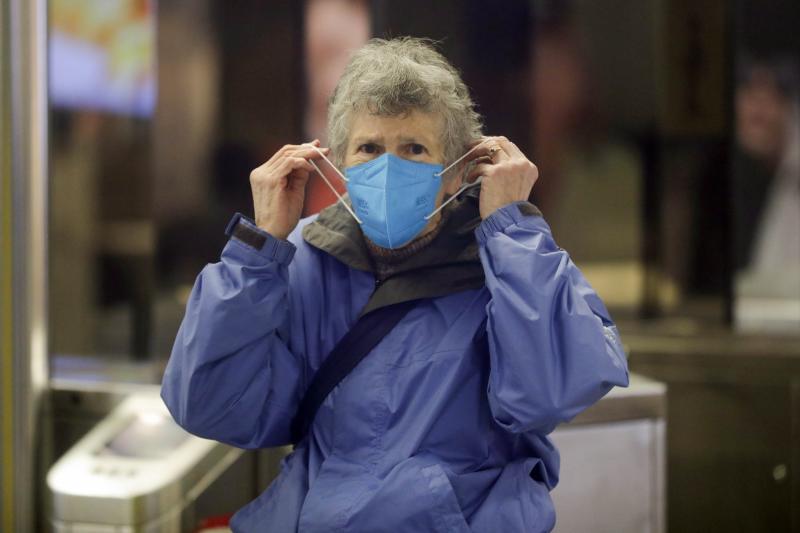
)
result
[(279, 188)]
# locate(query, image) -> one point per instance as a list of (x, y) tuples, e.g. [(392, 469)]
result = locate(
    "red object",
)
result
[(214, 521)]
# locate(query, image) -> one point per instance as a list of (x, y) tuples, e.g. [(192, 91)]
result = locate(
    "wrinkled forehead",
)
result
[(410, 127)]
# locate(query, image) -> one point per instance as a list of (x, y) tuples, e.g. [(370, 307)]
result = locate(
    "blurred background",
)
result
[(667, 134)]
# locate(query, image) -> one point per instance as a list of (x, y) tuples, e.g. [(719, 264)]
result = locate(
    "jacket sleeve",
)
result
[(554, 350), (231, 376)]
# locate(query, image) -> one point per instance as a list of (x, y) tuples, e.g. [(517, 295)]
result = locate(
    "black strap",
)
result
[(349, 351)]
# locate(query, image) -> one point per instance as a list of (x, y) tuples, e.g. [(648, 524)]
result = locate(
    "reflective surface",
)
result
[(23, 252)]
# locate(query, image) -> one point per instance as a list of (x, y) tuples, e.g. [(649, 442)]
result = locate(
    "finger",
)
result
[(483, 169), (479, 152), (497, 150), (308, 152), (496, 154), (286, 148), (315, 143), (475, 143), (476, 155), (290, 164), (493, 149), (298, 178), (500, 155), (272, 161), (289, 148), (510, 148), (274, 165)]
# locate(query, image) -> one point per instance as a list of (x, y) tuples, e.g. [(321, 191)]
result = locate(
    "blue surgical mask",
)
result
[(394, 198)]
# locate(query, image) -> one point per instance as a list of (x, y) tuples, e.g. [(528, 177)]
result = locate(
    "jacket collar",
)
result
[(449, 264)]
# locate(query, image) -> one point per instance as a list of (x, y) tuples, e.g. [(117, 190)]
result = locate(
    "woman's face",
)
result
[(415, 136), (762, 116)]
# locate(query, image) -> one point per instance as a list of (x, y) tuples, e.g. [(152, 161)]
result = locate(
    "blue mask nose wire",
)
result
[(328, 183)]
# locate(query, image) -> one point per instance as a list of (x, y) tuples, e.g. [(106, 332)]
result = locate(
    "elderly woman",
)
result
[(443, 425)]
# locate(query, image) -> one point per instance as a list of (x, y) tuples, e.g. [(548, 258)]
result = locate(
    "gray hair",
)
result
[(394, 77)]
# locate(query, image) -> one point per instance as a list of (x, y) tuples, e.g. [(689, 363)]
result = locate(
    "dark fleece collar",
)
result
[(449, 264)]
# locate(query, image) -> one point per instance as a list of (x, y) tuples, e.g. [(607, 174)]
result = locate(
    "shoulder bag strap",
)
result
[(349, 351)]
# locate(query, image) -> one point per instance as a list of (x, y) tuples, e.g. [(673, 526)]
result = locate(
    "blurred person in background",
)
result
[(593, 174), (767, 188), (443, 427), (766, 202), (333, 30)]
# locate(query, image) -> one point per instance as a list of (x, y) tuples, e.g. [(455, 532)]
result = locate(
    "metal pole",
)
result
[(23, 243)]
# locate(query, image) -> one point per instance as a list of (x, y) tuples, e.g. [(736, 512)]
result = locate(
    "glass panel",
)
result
[(593, 97), (102, 236), (159, 111), (766, 169)]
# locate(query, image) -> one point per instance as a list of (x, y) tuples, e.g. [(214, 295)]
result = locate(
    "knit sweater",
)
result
[(386, 260)]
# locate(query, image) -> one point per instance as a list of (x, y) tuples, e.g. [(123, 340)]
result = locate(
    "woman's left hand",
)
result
[(508, 176)]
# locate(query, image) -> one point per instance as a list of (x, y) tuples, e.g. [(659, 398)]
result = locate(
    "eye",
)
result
[(416, 149), (368, 148)]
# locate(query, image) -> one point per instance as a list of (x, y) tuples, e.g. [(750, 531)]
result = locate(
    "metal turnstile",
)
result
[(136, 471)]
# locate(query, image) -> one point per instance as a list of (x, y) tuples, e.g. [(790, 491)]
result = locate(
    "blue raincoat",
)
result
[(443, 427)]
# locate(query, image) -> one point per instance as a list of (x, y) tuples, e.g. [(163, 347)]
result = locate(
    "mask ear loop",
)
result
[(463, 187), (328, 183)]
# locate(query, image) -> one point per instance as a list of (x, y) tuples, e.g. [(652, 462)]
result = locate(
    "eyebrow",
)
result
[(378, 139), (413, 140), (365, 139)]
